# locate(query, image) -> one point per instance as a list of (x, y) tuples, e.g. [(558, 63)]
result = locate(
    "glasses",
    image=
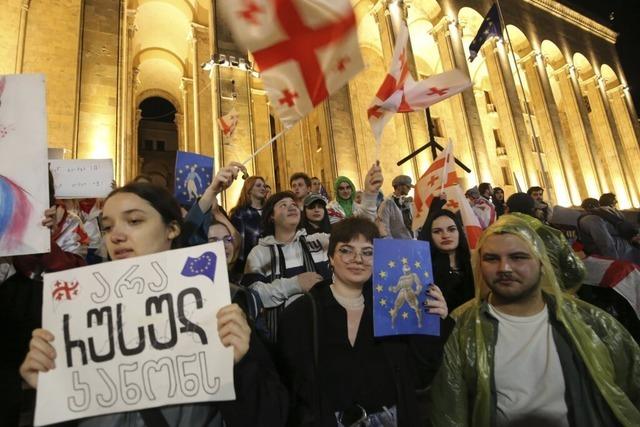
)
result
[(348, 254), (225, 239)]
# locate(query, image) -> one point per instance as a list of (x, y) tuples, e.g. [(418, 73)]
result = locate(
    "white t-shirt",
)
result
[(528, 376)]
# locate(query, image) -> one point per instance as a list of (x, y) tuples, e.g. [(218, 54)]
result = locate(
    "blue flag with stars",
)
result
[(490, 27), (402, 273), (205, 264), (194, 173)]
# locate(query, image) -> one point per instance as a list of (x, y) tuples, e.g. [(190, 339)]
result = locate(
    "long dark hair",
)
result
[(158, 197), (463, 255), (324, 226)]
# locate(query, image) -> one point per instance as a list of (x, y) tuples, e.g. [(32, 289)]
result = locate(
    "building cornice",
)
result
[(566, 13)]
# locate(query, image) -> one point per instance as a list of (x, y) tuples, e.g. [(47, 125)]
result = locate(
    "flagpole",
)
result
[(266, 144), (444, 169), (536, 144)]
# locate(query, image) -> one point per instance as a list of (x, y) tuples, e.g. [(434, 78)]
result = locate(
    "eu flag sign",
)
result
[(194, 173), (401, 275), (490, 27)]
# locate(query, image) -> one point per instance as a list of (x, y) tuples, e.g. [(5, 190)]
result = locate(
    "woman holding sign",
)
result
[(141, 219), (336, 371)]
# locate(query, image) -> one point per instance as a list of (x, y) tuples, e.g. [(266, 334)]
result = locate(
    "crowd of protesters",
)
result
[(519, 344)]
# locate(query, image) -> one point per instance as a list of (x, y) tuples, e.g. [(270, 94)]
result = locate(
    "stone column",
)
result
[(22, 32), (549, 138), (196, 87), (135, 141), (625, 124), (580, 132), (131, 162), (178, 120), (184, 82), (606, 137), (467, 122), (512, 125)]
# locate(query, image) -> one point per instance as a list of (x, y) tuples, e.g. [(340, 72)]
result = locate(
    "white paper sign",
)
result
[(135, 334), (24, 193), (82, 178)]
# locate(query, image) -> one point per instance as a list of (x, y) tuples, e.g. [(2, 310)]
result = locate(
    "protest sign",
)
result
[(135, 334), (23, 165), (193, 175), (75, 179), (402, 273)]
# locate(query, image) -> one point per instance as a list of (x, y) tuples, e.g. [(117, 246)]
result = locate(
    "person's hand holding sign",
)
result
[(234, 330), (41, 357)]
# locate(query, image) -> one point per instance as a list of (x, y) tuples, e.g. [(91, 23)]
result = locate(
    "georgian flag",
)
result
[(228, 123), (399, 93), (441, 177), (622, 276), (305, 49)]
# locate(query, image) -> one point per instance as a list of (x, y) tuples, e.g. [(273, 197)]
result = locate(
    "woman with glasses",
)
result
[(450, 255), (337, 373)]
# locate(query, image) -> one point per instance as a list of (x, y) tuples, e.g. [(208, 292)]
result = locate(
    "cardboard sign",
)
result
[(77, 179), (24, 184), (135, 334), (402, 273), (194, 173)]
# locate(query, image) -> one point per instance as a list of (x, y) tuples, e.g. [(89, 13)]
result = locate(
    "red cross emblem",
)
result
[(432, 180), (439, 92), (64, 290), (342, 63), (301, 46), (453, 204), (374, 111), (288, 98), (250, 11)]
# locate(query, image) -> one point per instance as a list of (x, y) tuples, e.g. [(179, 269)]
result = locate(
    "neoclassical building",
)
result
[(549, 106)]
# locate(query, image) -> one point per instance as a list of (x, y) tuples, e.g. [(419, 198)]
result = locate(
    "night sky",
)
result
[(626, 22)]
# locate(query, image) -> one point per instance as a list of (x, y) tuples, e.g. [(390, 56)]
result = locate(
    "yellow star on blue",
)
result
[(405, 315), (379, 288), (383, 302), (426, 274), (417, 264), (391, 264), (383, 274), (405, 260)]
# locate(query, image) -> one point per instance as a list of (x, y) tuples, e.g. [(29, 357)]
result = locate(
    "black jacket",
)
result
[(373, 373)]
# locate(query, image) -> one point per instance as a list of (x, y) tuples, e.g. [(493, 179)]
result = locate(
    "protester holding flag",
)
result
[(141, 219), (344, 205), (450, 255), (337, 373)]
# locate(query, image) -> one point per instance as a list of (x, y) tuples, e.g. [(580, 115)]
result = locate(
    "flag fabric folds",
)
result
[(490, 27), (228, 123), (305, 51), (399, 93), (441, 177)]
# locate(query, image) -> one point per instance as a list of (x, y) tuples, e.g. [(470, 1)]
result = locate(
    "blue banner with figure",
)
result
[(193, 175), (402, 274)]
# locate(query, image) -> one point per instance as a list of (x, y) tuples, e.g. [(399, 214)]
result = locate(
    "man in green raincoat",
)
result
[(523, 353)]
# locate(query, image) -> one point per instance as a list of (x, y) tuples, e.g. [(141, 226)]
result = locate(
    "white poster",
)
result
[(24, 184), (76, 179), (135, 334)]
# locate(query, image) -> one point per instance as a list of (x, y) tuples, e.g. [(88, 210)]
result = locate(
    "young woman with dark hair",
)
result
[(141, 219), (338, 374), (450, 256), (315, 218)]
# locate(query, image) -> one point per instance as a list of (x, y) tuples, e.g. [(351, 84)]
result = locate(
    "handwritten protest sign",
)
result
[(401, 274), (82, 178), (23, 165), (135, 334)]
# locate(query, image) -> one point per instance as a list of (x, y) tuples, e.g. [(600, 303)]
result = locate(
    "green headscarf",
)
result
[(346, 204)]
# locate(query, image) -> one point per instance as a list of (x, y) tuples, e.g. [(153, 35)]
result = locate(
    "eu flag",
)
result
[(193, 175), (401, 275), (205, 264), (490, 27)]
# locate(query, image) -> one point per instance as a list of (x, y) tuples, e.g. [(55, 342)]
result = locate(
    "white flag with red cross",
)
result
[(399, 93), (228, 123), (441, 177), (305, 49)]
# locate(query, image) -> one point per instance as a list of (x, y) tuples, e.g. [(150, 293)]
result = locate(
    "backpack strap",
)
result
[(307, 258)]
